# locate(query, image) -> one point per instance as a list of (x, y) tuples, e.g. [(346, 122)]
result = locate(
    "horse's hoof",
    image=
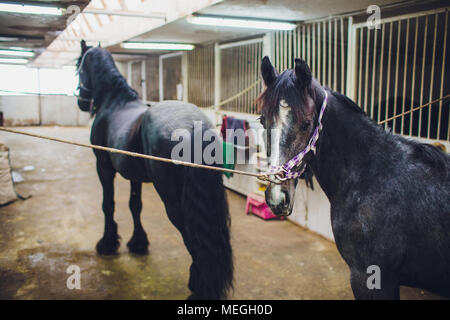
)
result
[(108, 247), (138, 244)]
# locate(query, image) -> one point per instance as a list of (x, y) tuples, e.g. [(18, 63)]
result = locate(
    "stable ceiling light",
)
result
[(17, 53), (29, 9), (241, 23), (13, 61), (156, 46)]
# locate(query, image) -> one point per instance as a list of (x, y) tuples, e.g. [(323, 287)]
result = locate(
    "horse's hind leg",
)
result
[(138, 243), (389, 288), (110, 242)]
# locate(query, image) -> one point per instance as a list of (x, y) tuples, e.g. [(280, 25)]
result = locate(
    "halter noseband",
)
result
[(285, 172)]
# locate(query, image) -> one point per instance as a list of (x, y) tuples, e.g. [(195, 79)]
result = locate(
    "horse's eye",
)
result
[(306, 125)]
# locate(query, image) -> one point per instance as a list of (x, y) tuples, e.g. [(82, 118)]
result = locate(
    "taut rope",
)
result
[(414, 109), (135, 154), (261, 176)]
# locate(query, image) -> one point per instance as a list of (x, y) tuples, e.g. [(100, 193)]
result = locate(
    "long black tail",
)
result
[(207, 223)]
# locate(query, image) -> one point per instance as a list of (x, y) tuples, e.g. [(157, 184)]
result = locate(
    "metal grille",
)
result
[(171, 76), (201, 76), (401, 66), (136, 79), (239, 70), (322, 44), (283, 50)]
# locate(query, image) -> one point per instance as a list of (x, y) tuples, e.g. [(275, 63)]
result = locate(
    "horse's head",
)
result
[(85, 99), (287, 113)]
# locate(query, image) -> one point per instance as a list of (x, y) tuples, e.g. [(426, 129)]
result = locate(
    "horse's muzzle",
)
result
[(279, 200)]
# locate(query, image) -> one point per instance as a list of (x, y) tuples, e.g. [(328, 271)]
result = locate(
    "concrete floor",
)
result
[(60, 225)]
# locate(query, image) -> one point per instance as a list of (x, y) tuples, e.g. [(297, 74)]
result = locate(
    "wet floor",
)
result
[(62, 221)]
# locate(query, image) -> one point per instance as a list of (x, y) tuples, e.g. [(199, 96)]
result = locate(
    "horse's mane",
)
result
[(107, 77), (347, 102), (437, 159)]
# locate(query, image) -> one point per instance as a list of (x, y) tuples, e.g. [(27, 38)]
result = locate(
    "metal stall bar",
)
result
[(290, 48), (324, 50), (388, 74), (380, 90), (335, 55), (405, 68), (413, 77), (424, 53), (366, 84), (313, 49), (360, 66), (344, 85), (329, 54), (304, 43), (430, 96), (374, 68), (397, 57), (351, 60), (309, 46), (441, 92), (319, 52)]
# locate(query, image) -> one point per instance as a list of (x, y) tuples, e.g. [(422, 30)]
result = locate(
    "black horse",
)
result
[(390, 196), (194, 199)]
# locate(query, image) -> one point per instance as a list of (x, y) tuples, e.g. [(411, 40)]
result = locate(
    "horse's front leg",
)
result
[(138, 243), (109, 244)]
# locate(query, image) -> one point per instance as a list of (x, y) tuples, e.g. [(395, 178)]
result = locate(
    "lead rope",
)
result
[(135, 154), (260, 176)]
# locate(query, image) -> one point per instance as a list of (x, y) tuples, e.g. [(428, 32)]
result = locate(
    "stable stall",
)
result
[(388, 56)]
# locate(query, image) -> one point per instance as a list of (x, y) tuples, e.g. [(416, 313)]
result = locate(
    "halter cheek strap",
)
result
[(81, 86), (285, 172), (80, 67)]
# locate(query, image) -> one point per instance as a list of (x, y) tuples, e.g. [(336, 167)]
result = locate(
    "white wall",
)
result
[(123, 68), (312, 209), (19, 110), (46, 110)]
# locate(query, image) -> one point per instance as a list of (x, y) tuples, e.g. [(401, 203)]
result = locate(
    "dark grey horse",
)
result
[(390, 196), (194, 198)]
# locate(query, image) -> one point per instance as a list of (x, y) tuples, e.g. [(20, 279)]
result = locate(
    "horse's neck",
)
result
[(344, 154), (100, 94), (104, 94)]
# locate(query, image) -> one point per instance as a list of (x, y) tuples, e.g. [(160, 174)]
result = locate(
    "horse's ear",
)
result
[(303, 73), (83, 46), (268, 72)]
